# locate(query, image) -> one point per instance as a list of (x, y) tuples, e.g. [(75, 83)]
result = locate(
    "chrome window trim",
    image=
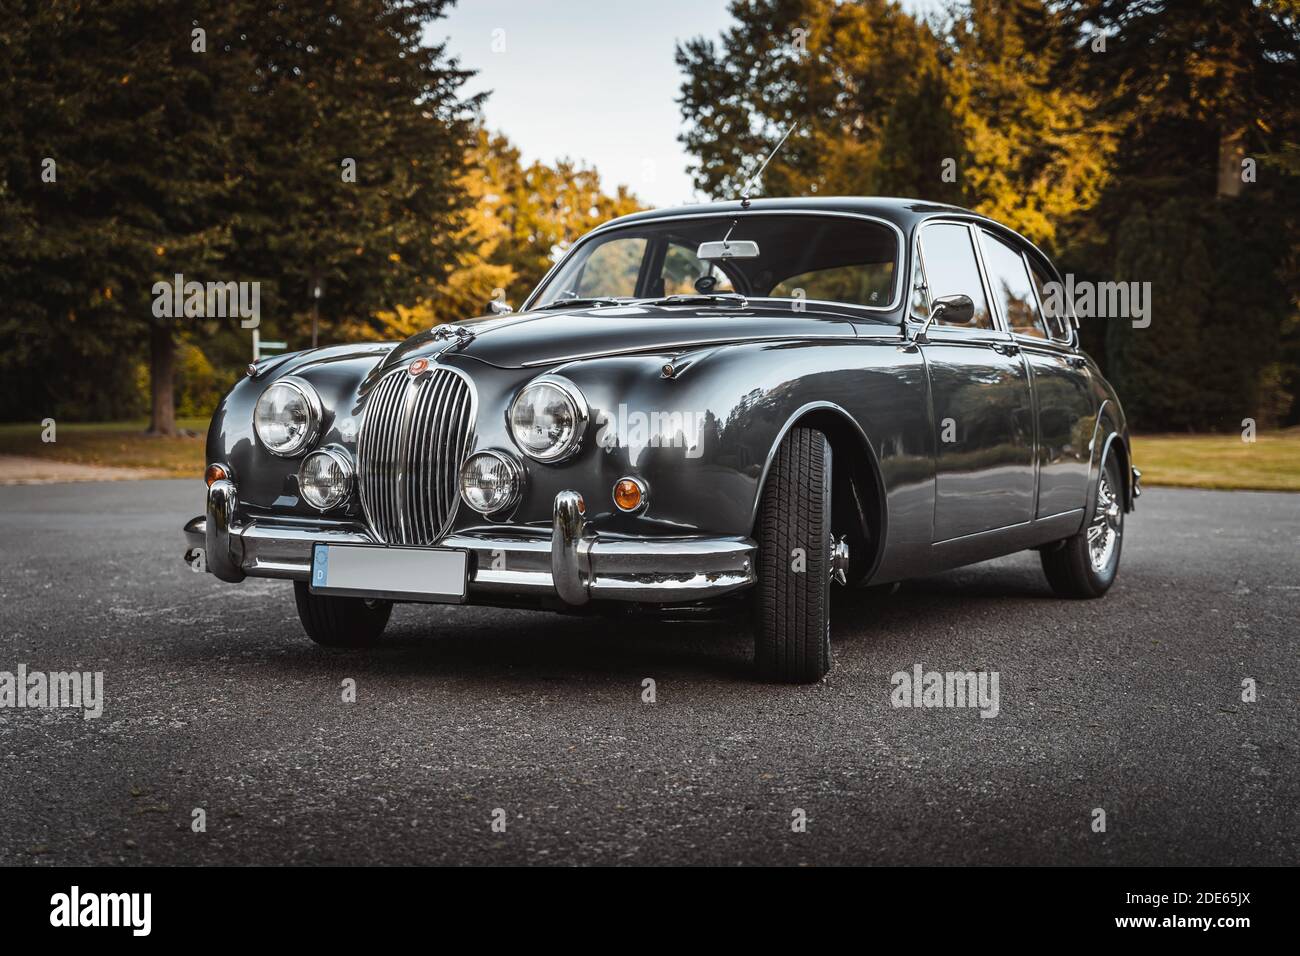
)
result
[(997, 331), (980, 232), (1065, 320), (899, 252)]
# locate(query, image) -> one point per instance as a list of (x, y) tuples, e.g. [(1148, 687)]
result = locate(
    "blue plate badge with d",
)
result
[(320, 565)]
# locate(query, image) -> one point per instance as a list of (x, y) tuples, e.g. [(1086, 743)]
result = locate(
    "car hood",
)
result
[(550, 337)]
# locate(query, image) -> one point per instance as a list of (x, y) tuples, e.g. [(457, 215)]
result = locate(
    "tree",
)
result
[(356, 150), (886, 106), (844, 73), (225, 156), (521, 219), (1202, 94), (116, 172), (545, 209)]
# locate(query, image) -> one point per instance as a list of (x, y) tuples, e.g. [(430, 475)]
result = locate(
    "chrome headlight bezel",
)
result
[(315, 416), (511, 465), (578, 407), (341, 458)]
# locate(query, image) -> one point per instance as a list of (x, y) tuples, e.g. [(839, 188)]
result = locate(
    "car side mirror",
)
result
[(953, 309), (499, 307)]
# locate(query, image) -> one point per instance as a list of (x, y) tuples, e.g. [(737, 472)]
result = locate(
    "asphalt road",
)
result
[(214, 699)]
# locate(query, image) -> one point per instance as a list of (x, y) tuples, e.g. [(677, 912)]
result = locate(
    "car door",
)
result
[(981, 403), (1064, 396)]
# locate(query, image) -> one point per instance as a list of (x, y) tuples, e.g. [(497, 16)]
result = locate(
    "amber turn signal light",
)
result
[(629, 494), (215, 473)]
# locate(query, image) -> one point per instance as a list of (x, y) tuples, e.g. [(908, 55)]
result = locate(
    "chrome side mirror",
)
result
[(954, 309), (499, 307)]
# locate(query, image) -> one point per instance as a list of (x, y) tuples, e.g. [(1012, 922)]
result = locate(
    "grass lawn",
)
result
[(1270, 463), (119, 444)]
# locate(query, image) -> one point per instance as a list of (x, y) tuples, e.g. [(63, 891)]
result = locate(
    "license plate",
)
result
[(436, 575)]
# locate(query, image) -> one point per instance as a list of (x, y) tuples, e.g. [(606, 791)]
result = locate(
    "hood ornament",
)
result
[(461, 336)]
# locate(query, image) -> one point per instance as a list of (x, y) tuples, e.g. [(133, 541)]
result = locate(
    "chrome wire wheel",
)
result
[(1106, 527)]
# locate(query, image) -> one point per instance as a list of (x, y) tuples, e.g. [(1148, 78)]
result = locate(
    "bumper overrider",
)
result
[(570, 562)]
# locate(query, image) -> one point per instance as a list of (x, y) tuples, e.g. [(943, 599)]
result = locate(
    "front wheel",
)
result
[(792, 629), (340, 621), (1085, 565)]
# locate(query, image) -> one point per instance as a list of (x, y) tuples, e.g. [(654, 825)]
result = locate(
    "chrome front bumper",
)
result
[(570, 562)]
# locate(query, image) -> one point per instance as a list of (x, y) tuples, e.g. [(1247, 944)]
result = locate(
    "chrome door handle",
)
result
[(1077, 361), (1006, 348)]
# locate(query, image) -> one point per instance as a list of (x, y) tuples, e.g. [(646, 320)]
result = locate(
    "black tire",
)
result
[(1069, 565), (340, 621), (792, 629)]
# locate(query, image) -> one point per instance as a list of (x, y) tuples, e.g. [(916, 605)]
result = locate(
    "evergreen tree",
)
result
[(225, 156), (1202, 95)]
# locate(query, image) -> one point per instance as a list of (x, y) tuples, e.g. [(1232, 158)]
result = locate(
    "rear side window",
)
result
[(1058, 325), (1012, 286), (950, 268)]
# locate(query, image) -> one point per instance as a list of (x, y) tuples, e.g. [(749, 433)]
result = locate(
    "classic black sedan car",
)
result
[(711, 410)]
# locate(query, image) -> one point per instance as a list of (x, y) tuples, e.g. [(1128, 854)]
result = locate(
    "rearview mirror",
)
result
[(499, 307), (738, 249)]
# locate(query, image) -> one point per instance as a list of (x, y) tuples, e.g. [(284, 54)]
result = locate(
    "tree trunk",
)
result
[(1232, 150), (162, 375)]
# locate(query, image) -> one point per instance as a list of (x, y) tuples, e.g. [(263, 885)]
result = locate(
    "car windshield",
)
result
[(821, 258)]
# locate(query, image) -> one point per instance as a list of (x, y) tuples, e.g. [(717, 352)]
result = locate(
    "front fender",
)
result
[(703, 438), (269, 481), (1110, 436)]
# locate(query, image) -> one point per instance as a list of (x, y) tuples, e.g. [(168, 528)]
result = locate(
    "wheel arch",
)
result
[(1110, 434), (1118, 443), (857, 487)]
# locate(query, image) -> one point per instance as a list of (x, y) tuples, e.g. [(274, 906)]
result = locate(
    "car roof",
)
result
[(901, 212)]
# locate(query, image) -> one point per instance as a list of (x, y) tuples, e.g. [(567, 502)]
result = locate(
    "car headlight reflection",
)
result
[(325, 478), (548, 419), (288, 417), (491, 481)]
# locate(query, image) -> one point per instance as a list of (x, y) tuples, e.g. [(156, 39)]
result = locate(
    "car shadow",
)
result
[(509, 645), (522, 645)]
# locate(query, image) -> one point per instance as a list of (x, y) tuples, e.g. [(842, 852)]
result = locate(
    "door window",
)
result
[(1012, 286), (950, 269), (1058, 325)]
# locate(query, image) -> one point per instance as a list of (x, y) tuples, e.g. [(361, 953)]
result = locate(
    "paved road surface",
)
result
[(216, 700)]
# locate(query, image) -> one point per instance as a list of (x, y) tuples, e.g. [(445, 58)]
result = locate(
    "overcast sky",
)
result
[(593, 80)]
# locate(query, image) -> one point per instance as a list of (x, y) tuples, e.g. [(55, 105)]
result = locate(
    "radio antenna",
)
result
[(744, 191)]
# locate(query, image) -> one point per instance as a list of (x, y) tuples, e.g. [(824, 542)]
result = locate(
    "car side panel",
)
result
[(1067, 416), (739, 400)]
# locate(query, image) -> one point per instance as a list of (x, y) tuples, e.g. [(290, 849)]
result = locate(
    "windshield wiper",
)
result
[(580, 303), (699, 298)]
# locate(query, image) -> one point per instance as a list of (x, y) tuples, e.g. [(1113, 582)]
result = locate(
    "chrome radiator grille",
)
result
[(410, 448)]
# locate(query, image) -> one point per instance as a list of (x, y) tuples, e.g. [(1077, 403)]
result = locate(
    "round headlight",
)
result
[(325, 478), (288, 416), (491, 482), (548, 418)]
